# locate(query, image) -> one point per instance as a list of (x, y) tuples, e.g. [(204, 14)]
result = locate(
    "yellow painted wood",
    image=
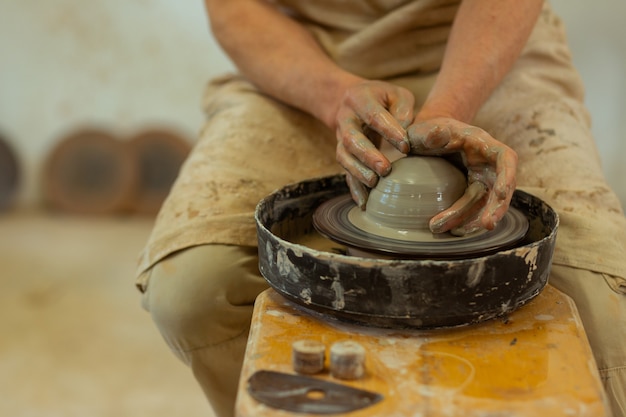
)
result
[(535, 362)]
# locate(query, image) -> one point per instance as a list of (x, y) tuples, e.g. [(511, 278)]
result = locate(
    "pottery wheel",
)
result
[(397, 292), (339, 219)]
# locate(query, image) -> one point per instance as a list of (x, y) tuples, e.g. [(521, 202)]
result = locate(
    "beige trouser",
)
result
[(201, 300)]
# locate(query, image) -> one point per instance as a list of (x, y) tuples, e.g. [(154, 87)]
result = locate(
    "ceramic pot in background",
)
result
[(89, 171), (158, 154)]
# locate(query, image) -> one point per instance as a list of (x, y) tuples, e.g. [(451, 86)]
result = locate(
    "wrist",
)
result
[(331, 97), (448, 109)]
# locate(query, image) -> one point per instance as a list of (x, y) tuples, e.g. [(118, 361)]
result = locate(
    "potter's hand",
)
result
[(369, 111), (491, 169)]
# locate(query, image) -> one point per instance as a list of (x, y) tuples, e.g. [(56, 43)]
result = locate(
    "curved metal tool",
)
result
[(303, 394)]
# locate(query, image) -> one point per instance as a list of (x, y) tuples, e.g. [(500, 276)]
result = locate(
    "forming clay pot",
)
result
[(397, 293), (416, 189), (395, 223)]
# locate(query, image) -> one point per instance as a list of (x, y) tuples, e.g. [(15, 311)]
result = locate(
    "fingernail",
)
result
[(371, 178), (358, 195), (404, 146), (436, 226), (494, 220), (382, 168)]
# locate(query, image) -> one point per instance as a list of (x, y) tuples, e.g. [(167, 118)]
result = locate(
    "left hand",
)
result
[(369, 112), (491, 169)]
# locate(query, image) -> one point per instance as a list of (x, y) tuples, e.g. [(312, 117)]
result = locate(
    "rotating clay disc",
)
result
[(340, 220), (89, 172), (9, 175), (159, 155)]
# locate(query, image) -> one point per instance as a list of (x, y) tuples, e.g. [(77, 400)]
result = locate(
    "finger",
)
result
[(502, 191), (378, 118), (481, 148), (493, 163), (358, 191), (468, 227), (401, 106), (496, 207), (355, 143), (355, 167), (428, 138), (457, 214)]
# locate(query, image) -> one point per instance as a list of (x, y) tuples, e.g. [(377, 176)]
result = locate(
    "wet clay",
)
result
[(418, 188)]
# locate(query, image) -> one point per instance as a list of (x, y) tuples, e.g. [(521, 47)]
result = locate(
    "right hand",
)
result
[(490, 167), (368, 112)]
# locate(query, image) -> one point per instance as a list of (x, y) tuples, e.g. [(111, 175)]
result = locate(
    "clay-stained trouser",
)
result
[(199, 271)]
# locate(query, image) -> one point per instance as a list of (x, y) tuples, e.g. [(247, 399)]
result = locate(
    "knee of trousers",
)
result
[(602, 310), (203, 296)]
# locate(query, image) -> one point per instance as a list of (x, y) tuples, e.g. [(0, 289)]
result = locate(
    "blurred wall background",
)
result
[(128, 64)]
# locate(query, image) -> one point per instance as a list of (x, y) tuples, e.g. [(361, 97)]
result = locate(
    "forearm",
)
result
[(486, 39), (280, 56)]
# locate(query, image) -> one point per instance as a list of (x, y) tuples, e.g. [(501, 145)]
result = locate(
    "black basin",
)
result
[(418, 293)]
